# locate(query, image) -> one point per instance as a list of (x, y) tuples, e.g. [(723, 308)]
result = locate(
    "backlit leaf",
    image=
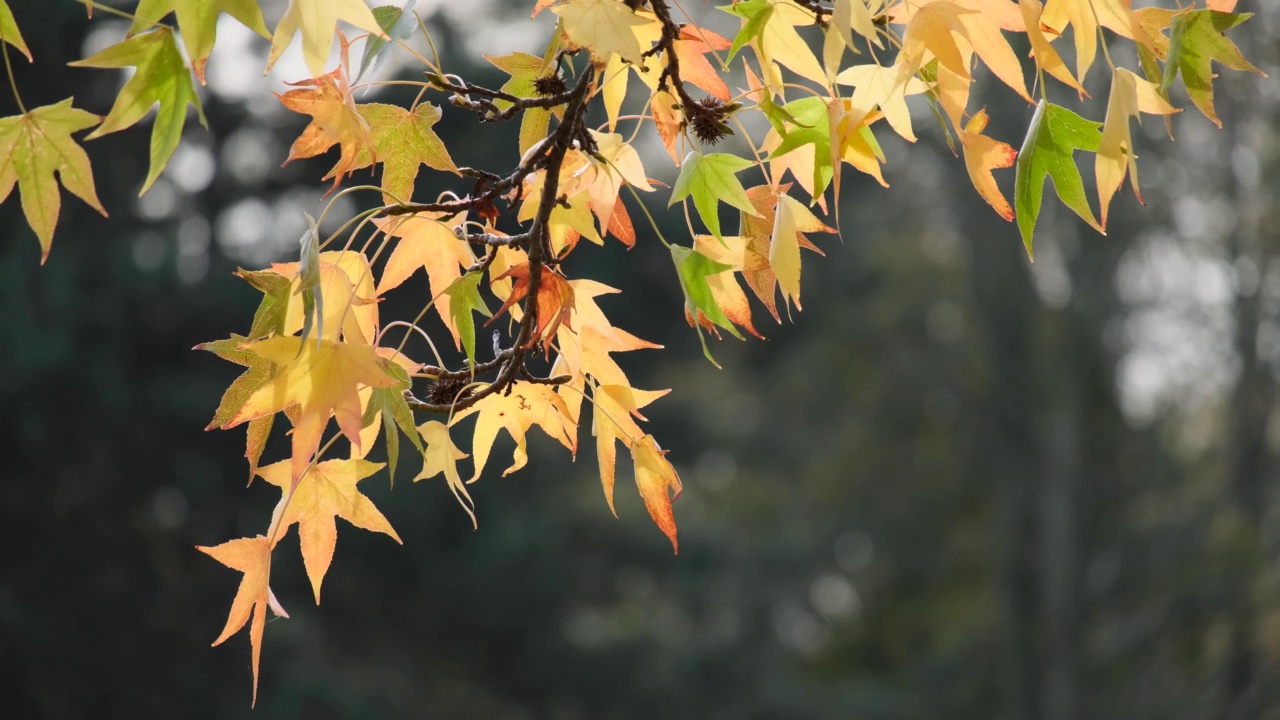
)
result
[(318, 21), (1048, 151)]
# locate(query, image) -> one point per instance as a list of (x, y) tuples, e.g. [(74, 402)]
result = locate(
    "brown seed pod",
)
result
[(447, 391), (707, 120), (550, 85)]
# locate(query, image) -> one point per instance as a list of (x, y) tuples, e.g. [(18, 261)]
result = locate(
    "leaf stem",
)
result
[(8, 68)]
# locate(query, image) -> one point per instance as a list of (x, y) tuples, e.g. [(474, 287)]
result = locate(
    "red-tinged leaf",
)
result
[(694, 42), (251, 556), (335, 121), (659, 485), (982, 155), (527, 404), (615, 406), (620, 226), (555, 299), (668, 119)]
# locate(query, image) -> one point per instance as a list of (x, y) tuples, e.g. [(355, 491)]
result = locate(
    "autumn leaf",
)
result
[(693, 268), (9, 30), (161, 77), (710, 179), (934, 30), (401, 141), (604, 27), (36, 145), (1048, 151), (691, 48), (391, 404), (659, 484), (198, 23), (555, 299), (526, 405), (335, 121), (982, 155), (426, 242), (879, 86), (615, 406), (464, 299), (318, 21), (849, 16), (323, 378), (770, 25), (668, 120), (345, 282), (1130, 95), (791, 218), (1045, 55), (524, 69), (326, 492), (1197, 38), (442, 456), (731, 250), (251, 556)]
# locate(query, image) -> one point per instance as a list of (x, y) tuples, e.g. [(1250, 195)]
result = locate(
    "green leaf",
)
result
[(1196, 39), (257, 373), (269, 318), (391, 404), (33, 147), (398, 23), (693, 268), (162, 77), (812, 127), (711, 179), (1054, 135), (198, 22), (756, 13), (464, 297), (9, 30), (402, 141)]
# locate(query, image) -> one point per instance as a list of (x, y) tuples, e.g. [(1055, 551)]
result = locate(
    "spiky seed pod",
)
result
[(447, 391), (707, 120), (550, 85)]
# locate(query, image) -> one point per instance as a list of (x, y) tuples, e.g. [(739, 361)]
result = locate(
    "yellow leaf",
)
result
[(32, 148), (728, 294), (1046, 56), (322, 378), (335, 121), (326, 492), (780, 44), (350, 303), (527, 404), (790, 219), (442, 456), (615, 405), (934, 29), (875, 85), (318, 21), (604, 27), (427, 242), (1130, 95)]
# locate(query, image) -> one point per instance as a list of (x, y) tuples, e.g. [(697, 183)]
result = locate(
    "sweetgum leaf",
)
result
[(710, 179), (1196, 39), (1048, 151)]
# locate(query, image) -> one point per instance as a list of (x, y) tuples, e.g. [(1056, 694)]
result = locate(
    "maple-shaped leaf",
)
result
[(335, 121), (464, 299), (161, 77), (323, 378), (426, 242), (1046, 57), (442, 456), (527, 404), (318, 21), (257, 372), (1130, 95), (251, 556), (615, 406), (555, 299), (1048, 151), (659, 484), (759, 233), (402, 140), (982, 35), (325, 493), (691, 49), (198, 23), (524, 69), (9, 30), (710, 180), (849, 16), (1197, 38), (668, 120), (604, 27), (982, 155), (934, 30), (34, 146)]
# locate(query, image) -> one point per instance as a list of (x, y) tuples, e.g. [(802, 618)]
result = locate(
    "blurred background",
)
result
[(958, 486)]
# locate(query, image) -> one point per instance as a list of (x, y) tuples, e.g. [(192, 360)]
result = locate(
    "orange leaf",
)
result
[(982, 155), (426, 241), (251, 556), (615, 405), (555, 299), (691, 47), (335, 121), (657, 481)]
